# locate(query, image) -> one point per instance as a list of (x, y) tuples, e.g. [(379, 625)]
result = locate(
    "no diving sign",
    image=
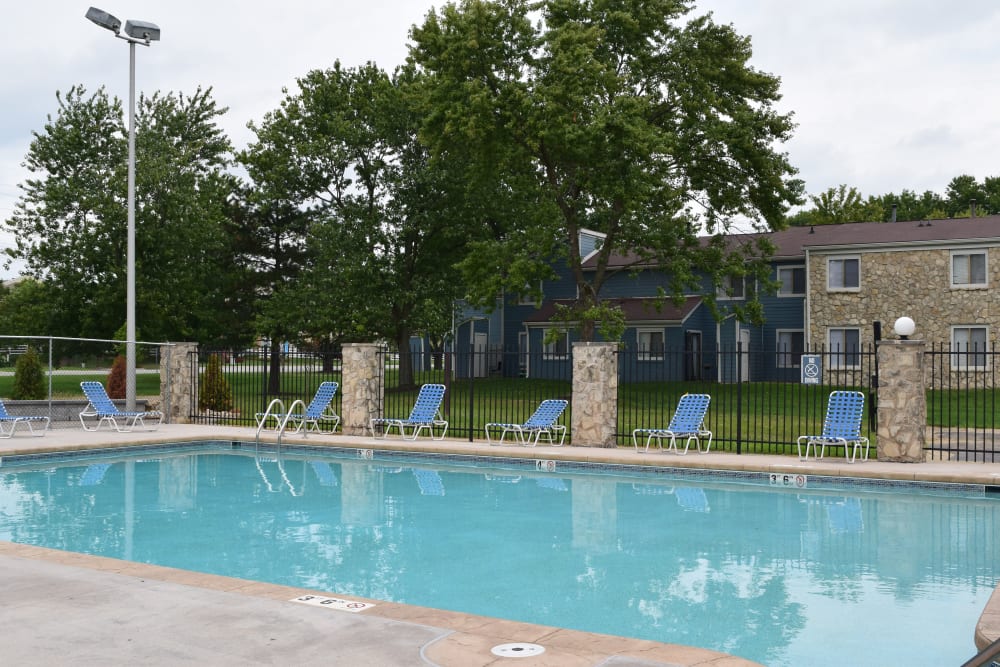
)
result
[(812, 369)]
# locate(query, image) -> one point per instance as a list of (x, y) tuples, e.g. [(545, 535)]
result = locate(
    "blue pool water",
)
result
[(818, 576)]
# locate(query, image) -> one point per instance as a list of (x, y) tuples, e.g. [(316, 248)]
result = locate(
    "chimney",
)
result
[(972, 207), (894, 207)]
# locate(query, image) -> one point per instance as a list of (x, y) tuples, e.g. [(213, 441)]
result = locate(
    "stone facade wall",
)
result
[(361, 389), (914, 283), (902, 402), (595, 394), (178, 383)]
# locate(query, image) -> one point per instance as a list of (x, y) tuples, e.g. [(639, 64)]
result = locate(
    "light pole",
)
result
[(136, 32)]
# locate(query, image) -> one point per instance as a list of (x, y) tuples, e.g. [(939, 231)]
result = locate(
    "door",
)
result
[(479, 354), (692, 355), (744, 339)]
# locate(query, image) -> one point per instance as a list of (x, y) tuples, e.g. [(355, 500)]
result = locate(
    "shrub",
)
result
[(117, 379), (214, 392), (29, 383)]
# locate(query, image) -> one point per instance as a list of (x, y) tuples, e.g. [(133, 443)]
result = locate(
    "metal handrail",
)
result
[(276, 408)]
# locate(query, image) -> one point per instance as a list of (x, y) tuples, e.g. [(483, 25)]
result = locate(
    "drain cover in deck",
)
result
[(517, 650)]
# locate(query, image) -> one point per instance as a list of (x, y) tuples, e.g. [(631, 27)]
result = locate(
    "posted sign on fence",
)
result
[(812, 369)]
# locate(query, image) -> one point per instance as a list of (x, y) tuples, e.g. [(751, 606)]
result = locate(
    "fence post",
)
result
[(178, 382), (361, 386), (902, 401), (595, 394)]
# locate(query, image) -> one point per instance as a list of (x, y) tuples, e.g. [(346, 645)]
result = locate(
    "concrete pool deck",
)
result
[(60, 607)]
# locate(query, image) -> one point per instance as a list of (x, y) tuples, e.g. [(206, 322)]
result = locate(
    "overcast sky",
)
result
[(887, 94)]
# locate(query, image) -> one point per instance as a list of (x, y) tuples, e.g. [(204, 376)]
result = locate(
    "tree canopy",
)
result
[(382, 223), (623, 117), (70, 222)]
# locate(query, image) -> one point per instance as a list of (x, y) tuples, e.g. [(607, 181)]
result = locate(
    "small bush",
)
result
[(214, 392), (117, 378), (29, 382)]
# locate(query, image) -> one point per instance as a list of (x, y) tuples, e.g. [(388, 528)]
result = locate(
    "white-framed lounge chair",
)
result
[(841, 427), (688, 422), (316, 413), (543, 421), (9, 422), (107, 412), (426, 414)]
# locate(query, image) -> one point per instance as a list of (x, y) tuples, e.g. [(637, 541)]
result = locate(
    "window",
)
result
[(650, 343), (791, 345), (556, 344), (968, 269), (844, 348), (968, 346), (843, 273), (793, 281), (732, 287), (528, 298)]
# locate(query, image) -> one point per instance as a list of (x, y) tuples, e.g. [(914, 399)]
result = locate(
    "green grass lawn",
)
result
[(68, 386)]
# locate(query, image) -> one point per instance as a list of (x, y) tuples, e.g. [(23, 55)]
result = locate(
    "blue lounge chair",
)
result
[(688, 422), (842, 426), (9, 422), (543, 421), (100, 406), (317, 412), (426, 414)]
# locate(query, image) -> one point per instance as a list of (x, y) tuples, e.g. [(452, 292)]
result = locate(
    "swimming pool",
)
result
[(828, 574)]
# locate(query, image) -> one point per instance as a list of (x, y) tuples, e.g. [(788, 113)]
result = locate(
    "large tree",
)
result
[(70, 221), (623, 116), (384, 232)]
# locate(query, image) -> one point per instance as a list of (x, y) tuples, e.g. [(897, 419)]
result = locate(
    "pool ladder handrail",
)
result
[(275, 409)]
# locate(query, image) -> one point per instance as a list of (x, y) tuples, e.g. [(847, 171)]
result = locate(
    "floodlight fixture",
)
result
[(105, 20), (142, 30)]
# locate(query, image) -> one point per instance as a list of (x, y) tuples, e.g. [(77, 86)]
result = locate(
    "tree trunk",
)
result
[(405, 361)]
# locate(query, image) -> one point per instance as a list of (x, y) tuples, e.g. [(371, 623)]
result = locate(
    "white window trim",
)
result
[(957, 362), (836, 363), (646, 355), (722, 295), (951, 269), (829, 288), (546, 354), (789, 295), (796, 361)]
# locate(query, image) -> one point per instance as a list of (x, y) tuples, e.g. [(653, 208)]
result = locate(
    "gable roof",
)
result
[(792, 243), (639, 309)]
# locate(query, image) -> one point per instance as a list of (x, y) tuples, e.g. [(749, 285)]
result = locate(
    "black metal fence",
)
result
[(963, 410), (747, 414), (482, 386), (256, 376), (759, 402)]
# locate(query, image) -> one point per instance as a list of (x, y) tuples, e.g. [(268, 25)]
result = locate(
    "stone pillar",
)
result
[(361, 397), (902, 402), (595, 394), (178, 382)]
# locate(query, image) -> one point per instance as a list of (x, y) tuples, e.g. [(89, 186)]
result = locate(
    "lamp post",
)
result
[(136, 32)]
